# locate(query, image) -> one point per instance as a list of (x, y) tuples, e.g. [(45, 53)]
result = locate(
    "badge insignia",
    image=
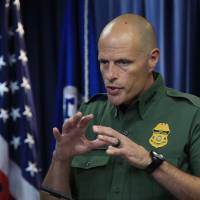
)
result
[(159, 136)]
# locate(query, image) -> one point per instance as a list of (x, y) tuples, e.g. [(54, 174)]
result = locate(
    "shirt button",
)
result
[(88, 164)]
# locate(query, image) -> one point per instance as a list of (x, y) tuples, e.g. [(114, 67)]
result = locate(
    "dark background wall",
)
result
[(42, 21)]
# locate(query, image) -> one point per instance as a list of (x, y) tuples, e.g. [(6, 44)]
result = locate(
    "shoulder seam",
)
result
[(195, 100)]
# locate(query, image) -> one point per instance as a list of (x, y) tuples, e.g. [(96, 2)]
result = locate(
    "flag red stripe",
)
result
[(4, 191)]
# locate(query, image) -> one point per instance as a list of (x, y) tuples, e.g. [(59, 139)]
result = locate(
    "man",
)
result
[(112, 148)]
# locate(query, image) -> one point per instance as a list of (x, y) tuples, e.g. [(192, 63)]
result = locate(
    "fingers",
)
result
[(85, 120), (113, 151), (114, 139), (77, 121), (56, 134), (95, 144), (109, 140), (71, 122), (103, 130)]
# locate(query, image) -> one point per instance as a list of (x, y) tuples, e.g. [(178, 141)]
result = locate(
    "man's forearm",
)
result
[(57, 178), (182, 185)]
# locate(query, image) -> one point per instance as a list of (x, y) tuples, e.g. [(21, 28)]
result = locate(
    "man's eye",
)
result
[(123, 63), (103, 62)]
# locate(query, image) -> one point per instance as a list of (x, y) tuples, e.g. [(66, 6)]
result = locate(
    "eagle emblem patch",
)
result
[(159, 136)]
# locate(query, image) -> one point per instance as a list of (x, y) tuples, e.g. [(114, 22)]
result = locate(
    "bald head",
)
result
[(133, 27)]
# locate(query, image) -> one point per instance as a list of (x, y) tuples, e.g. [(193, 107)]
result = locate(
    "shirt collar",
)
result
[(144, 101), (151, 94)]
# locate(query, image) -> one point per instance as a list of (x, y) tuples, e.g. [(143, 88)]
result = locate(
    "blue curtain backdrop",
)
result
[(177, 24), (177, 28)]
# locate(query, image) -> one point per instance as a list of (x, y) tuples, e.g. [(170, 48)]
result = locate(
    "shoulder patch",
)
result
[(177, 94), (97, 97)]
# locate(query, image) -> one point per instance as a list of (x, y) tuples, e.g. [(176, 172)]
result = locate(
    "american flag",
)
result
[(20, 167)]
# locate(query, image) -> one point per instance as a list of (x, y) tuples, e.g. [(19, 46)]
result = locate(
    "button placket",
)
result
[(118, 179)]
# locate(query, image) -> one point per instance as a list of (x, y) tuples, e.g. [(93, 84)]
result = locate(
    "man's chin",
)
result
[(115, 100)]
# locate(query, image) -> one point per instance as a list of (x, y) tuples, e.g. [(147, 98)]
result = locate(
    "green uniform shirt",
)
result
[(163, 120)]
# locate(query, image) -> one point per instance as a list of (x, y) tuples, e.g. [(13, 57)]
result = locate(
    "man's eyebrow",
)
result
[(102, 59), (124, 60)]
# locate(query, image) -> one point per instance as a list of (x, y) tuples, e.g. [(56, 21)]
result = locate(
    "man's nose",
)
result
[(111, 72)]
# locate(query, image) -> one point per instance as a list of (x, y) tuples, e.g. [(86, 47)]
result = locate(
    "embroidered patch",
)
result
[(159, 136)]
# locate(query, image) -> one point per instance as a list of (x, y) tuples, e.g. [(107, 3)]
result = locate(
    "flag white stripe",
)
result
[(4, 156), (20, 188)]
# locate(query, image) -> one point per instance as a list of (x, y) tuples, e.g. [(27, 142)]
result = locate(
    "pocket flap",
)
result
[(87, 162)]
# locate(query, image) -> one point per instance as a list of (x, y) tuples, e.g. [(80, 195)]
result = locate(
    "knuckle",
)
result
[(109, 129), (70, 120)]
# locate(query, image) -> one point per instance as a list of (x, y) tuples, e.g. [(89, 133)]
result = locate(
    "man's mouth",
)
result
[(113, 90)]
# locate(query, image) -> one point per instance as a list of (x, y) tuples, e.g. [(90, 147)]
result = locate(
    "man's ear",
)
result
[(153, 58)]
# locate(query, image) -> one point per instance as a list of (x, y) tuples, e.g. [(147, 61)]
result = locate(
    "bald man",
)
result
[(139, 141)]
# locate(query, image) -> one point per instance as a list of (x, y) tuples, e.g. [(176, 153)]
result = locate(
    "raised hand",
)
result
[(72, 141), (136, 155)]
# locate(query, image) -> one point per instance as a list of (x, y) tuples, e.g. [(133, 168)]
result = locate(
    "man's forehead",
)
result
[(119, 40), (116, 33), (123, 46), (117, 53)]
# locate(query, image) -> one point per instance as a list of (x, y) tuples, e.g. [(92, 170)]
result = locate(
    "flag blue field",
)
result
[(20, 167), (79, 76)]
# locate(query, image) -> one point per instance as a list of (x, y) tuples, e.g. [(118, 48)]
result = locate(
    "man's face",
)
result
[(124, 68)]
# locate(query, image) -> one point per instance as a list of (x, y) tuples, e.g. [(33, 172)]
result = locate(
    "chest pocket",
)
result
[(89, 161), (89, 173)]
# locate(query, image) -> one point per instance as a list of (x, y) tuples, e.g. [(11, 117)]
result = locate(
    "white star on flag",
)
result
[(3, 88), (27, 112), (13, 86), (4, 115), (29, 140), (15, 113), (32, 168), (2, 62), (15, 142), (25, 83), (12, 59), (17, 4), (20, 29), (23, 56)]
